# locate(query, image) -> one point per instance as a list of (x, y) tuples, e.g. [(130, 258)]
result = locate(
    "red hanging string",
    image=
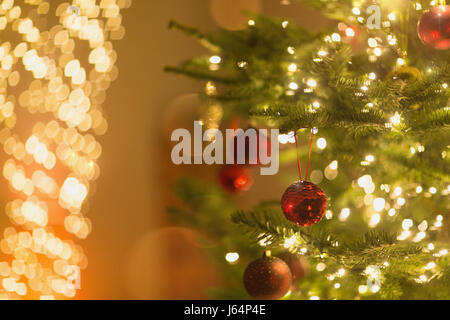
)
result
[(298, 157), (309, 156)]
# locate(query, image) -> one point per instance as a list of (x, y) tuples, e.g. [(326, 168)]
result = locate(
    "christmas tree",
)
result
[(368, 103)]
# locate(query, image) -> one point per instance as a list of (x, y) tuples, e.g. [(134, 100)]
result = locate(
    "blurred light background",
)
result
[(134, 252)]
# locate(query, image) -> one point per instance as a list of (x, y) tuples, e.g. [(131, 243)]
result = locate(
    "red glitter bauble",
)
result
[(304, 203), (235, 178), (434, 27), (267, 278)]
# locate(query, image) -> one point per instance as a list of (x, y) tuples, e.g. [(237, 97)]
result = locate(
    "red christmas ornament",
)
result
[(235, 178), (254, 158), (434, 27), (304, 203), (267, 278), (297, 264)]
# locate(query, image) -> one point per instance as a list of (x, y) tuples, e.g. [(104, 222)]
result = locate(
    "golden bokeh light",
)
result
[(51, 169)]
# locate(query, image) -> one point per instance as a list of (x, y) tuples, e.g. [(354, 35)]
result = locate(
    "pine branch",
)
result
[(373, 248)]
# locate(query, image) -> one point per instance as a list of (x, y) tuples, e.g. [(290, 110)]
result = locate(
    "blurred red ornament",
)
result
[(267, 278), (296, 263), (304, 203), (235, 178), (434, 27), (252, 157)]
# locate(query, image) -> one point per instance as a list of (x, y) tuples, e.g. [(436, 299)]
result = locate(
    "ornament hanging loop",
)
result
[(298, 157), (313, 132)]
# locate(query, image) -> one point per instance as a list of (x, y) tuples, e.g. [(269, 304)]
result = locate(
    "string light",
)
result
[(321, 143), (232, 257), (377, 52), (293, 86), (356, 11), (311, 83), (292, 67), (345, 213), (215, 59), (401, 62), (392, 16), (336, 37), (379, 204)]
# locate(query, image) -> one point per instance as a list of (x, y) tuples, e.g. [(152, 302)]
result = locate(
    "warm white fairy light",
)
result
[(370, 158), (438, 222), (374, 220), (404, 235), (336, 37), (349, 32), (423, 226), (396, 119), (373, 274), (372, 42), (419, 236), (289, 242), (375, 288), (430, 265), (377, 52), (71, 91), (345, 213), (401, 201), (290, 50), (372, 76), (265, 241), (321, 143), (391, 16), (379, 204), (392, 40), (363, 289), (311, 83), (215, 59), (251, 22), (287, 138), (407, 224), (401, 62), (398, 191), (293, 86), (321, 266), (292, 67), (232, 257)]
